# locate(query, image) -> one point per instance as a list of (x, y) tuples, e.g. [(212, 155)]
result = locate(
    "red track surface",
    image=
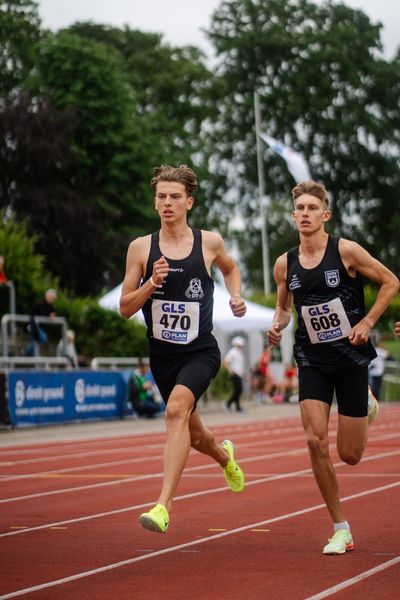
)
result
[(69, 520)]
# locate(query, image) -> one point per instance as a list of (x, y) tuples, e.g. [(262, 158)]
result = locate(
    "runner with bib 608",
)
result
[(322, 277)]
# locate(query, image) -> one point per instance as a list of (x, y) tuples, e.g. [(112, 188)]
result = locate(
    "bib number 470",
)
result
[(181, 322)]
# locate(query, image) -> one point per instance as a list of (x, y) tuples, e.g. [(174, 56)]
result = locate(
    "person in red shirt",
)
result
[(3, 277)]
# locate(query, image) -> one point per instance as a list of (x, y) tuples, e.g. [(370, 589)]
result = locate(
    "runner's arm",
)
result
[(283, 310), (356, 258), (229, 270), (133, 295)]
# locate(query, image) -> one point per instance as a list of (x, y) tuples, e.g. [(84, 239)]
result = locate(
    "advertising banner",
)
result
[(37, 397)]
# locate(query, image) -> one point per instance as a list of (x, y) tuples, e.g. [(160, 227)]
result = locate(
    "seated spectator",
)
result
[(143, 393), (42, 308), (263, 383), (288, 387), (67, 348), (376, 369)]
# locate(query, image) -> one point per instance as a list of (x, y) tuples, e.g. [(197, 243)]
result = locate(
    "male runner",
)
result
[(168, 276), (322, 276)]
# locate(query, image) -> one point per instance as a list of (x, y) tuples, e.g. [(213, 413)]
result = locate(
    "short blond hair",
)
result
[(182, 174), (314, 189)]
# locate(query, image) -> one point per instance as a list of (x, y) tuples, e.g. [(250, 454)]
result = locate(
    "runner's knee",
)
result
[(177, 411), (349, 455), (317, 446)]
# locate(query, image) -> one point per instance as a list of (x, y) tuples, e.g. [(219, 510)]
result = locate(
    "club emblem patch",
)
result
[(194, 291), (332, 278)]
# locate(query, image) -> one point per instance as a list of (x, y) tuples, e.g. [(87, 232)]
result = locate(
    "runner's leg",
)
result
[(315, 418)]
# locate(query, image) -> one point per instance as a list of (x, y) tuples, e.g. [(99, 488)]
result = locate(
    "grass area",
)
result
[(393, 347)]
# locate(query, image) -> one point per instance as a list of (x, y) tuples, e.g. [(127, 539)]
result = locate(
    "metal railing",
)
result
[(34, 362), (391, 381), (112, 362), (9, 285), (11, 319)]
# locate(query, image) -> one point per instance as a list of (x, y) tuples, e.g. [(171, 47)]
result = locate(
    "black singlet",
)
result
[(179, 315), (324, 296)]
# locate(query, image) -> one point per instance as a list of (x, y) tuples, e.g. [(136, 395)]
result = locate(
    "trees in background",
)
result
[(85, 114), (20, 33), (326, 91), (97, 110)]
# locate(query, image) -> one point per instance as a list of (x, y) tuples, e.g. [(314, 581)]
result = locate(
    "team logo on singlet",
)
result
[(194, 291), (332, 278), (294, 283)]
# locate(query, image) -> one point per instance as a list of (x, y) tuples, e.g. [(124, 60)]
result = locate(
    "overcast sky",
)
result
[(180, 21)]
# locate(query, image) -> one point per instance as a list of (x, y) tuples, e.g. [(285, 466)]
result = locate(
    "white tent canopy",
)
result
[(252, 326)]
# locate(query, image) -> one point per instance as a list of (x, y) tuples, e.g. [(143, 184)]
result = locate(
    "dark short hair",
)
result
[(182, 174)]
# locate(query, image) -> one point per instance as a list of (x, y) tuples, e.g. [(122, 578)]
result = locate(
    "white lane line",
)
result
[(267, 479), (345, 584), (132, 448), (286, 453), (79, 455), (144, 477), (154, 457), (147, 446), (136, 559)]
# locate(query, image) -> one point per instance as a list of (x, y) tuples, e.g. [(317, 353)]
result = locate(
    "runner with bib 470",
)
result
[(322, 277), (168, 276)]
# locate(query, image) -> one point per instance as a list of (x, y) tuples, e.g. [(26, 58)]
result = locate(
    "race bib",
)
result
[(175, 322), (326, 322)]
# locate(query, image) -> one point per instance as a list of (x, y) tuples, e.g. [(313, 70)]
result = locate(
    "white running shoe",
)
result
[(373, 406), (340, 543)]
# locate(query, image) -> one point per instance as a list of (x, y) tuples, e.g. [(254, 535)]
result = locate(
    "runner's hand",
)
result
[(274, 334), (238, 306), (160, 271)]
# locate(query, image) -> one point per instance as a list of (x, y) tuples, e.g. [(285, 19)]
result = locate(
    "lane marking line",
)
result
[(185, 545), (345, 584), (293, 452), (185, 497)]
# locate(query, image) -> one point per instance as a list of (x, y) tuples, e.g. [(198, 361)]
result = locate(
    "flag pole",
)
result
[(261, 190)]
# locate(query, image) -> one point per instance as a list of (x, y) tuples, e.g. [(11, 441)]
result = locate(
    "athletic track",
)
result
[(69, 519)]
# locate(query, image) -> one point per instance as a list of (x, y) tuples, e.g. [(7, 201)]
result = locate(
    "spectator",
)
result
[(142, 392), (288, 386), (263, 384), (3, 276), (42, 308), (66, 348), (397, 328), (377, 369), (235, 365)]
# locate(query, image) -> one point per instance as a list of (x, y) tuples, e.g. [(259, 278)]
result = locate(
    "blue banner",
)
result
[(37, 397)]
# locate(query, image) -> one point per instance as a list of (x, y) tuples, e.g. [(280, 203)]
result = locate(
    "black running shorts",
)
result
[(193, 369), (350, 384)]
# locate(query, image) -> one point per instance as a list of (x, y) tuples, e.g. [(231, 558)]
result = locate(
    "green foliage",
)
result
[(109, 147), (324, 90), (392, 314), (104, 106), (22, 265), (259, 297), (19, 35), (173, 90), (221, 385), (101, 332)]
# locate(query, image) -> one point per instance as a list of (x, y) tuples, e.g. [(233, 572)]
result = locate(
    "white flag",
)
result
[(295, 161)]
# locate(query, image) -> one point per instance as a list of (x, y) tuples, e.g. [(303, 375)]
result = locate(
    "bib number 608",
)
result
[(325, 322)]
